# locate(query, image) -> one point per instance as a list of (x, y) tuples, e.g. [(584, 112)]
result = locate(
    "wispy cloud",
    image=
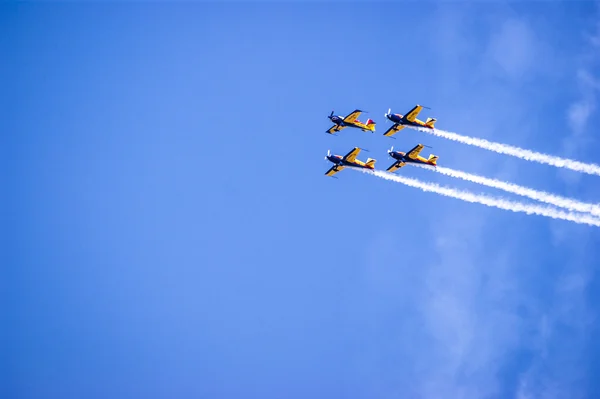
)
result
[(485, 290), (579, 113), (561, 342), (556, 371), (581, 109), (513, 47), (470, 311)]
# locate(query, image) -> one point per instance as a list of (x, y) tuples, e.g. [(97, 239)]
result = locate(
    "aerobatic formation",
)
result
[(399, 123), (557, 207)]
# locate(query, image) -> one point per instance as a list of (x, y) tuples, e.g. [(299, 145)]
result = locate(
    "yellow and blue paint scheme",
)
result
[(340, 162), (411, 156), (351, 120), (410, 119)]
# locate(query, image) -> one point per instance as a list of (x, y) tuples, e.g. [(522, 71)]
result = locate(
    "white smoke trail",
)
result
[(485, 200), (542, 196), (528, 155)]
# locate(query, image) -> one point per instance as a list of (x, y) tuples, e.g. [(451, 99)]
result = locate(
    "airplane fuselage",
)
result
[(339, 160), (338, 120), (400, 119), (401, 156)]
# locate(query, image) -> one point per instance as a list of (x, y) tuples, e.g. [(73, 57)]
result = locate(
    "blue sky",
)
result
[(171, 233)]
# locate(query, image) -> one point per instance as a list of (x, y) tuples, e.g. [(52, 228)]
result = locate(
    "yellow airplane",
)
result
[(410, 119), (347, 160), (410, 157), (350, 121)]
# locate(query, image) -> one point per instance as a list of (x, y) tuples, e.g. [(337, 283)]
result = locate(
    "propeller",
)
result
[(330, 115), (388, 113), (328, 154)]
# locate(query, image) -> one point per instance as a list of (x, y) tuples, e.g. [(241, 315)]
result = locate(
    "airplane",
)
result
[(350, 121), (410, 119), (410, 157), (347, 160)]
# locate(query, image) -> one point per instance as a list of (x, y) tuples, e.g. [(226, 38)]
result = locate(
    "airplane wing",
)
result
[(395, 166), (334, 129), (394, 129), (351, 156), (413, 113), (414, 153), (333, 170), (352, 116)]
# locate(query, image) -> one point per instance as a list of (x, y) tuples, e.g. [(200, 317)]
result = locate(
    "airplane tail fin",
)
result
[(430, 122), (370, 162), (370, 124), (433, 159)]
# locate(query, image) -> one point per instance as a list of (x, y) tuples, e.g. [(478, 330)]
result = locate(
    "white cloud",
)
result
[(578, 115), (588, 79), (514, 48), (594, 38), (582, 109), (564, 323), (479, 306), (468, 310)]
